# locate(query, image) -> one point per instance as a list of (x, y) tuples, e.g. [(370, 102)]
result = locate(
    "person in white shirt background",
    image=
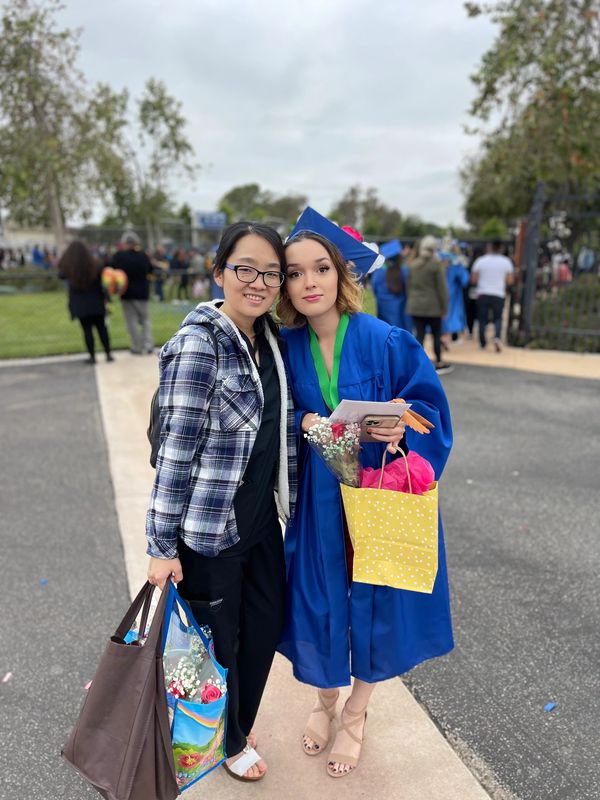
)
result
[(492, 274)]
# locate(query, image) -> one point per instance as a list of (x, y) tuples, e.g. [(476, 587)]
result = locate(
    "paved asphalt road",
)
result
[(521, 508), (58, 524)]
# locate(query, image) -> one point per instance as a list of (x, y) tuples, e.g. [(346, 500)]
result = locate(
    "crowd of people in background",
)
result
[(15, 257), (181, 275), (443, 289)]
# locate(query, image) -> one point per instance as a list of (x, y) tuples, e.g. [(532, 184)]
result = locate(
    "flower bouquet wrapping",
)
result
[(196, 688), (338, 444)]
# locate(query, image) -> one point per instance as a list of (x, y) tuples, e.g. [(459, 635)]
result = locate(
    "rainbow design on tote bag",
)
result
[(187, 709)]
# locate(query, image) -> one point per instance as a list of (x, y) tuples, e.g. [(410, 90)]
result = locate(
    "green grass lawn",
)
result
[(38, 324)]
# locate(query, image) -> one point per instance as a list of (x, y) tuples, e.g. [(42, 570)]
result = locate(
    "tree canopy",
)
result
[(360, 208), (64, 146), (537, 105), (249, 201), (59, 143), (363, 209)]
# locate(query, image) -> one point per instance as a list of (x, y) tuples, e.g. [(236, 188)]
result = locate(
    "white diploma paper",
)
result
[(356, 410)]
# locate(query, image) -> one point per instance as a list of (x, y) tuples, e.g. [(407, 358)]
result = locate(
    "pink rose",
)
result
[(209, 693)]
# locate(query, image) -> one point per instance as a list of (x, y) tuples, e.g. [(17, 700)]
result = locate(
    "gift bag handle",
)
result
[(385, 452)]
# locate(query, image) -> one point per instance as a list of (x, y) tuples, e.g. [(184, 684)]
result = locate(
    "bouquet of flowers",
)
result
[(189, 671), (338, 444)]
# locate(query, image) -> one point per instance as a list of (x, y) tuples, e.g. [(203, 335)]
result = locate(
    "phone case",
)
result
[(376, 421)]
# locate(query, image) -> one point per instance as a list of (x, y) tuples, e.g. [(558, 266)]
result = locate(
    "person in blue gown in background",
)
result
[(335, 629), (388, 285), (457, 277)]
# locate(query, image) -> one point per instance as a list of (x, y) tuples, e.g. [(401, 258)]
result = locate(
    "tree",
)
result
[(60, 144), (251, 202), (348, 210), (286, 208), (362, 209), (185, 213), (240, 201), (168, 153), (493, 228), (540, 85)]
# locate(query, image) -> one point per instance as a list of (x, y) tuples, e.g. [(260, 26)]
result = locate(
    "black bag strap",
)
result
[(144, 598)]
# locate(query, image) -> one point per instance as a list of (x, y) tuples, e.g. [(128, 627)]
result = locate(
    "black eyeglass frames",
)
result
[(272, 278)]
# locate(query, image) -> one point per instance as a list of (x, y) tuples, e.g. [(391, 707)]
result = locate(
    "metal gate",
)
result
[(556, 298)]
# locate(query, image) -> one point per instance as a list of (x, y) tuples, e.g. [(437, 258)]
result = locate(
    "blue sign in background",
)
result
[(210, 220)]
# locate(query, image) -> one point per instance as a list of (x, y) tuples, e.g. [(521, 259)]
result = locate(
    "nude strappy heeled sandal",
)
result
[(342, 758), (319, 742)]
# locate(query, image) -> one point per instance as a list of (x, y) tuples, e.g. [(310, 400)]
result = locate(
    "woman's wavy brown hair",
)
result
[(349, 295)]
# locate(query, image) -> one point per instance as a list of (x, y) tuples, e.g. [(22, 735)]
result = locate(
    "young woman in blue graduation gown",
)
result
[(336, 629)]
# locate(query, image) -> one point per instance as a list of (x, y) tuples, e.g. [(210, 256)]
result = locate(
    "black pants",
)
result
[(470, 310), (435, 323), (486, 304), (242, 598), (88, 324)]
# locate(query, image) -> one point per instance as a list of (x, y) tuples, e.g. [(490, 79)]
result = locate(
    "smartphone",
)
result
[(378, 422)]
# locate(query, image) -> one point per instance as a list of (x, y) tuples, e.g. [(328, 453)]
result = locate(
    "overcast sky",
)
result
[(303, 96)]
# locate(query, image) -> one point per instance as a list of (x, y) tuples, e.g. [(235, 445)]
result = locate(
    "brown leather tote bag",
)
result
[(121, 742)]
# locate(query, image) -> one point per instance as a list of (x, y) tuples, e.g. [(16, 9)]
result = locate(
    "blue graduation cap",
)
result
[(364, 259), (391, 249)]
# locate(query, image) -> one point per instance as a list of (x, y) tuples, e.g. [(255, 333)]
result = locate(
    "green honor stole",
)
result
[(329, 386)]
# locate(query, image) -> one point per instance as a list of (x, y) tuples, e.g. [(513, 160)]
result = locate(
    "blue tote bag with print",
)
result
[(196, 687)]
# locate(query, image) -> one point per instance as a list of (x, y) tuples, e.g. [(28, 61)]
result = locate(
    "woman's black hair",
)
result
[(231, 237)]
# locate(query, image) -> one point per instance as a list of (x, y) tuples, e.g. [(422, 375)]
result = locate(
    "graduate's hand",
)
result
[(390, 435), (161, 569), (308, 420)]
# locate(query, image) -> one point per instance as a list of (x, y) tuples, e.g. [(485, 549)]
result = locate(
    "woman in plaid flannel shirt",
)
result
[(226, 472)]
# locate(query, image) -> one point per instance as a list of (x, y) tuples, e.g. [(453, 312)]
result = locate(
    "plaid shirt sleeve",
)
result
[(187, 381)]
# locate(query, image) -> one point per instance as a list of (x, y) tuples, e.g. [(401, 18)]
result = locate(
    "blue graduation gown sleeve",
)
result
[(415, 380)]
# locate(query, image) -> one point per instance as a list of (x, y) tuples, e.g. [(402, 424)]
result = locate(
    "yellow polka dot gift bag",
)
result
[(394, 534)]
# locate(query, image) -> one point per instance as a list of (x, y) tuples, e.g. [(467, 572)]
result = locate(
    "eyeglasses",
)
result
[(274, 279)]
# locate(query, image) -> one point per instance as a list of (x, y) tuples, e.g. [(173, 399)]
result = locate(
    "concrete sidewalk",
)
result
[(404, 757), (549, 362)]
